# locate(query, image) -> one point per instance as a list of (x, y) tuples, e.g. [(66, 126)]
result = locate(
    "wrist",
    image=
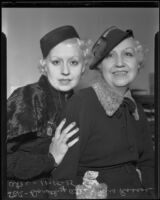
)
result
[(52, 157)]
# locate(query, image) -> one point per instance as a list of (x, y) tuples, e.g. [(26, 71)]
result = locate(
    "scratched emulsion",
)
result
[(39, 189), (55, 189)]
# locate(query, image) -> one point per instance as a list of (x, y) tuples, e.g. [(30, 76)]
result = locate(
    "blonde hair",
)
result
[(140, 52), (84, 45)]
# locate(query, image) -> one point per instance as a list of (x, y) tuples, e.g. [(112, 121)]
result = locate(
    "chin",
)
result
[(65, 88), (122, 84)]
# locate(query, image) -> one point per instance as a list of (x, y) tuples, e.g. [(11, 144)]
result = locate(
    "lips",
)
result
[(120, 72), (64, 81)]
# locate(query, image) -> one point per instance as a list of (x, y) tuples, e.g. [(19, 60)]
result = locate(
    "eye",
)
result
[(55, 62), (74, 62), (129, 54)]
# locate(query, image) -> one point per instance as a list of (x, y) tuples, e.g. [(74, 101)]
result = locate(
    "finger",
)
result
[(59, 128), (69, 127), (64, 135), (70, 144), (53, 138), (70, 134)]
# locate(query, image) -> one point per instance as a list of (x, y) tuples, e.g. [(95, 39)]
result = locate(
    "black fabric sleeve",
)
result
[(21, 113), (24, 162)]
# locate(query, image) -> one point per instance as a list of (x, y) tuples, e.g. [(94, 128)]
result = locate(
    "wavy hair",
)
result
[(141, 52)]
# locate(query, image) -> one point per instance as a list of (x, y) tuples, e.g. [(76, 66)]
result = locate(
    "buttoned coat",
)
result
[(114, 145)]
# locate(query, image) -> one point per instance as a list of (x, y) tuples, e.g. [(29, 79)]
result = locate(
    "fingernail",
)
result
[(73, 123), (64, 119)]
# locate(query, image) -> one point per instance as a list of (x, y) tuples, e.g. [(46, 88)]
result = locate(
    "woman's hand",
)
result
[(59, 146)]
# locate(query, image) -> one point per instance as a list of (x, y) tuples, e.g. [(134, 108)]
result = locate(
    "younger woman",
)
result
[(33, 148)]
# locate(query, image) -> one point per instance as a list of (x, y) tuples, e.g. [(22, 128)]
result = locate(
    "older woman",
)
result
[(34, 143), (114, 139)]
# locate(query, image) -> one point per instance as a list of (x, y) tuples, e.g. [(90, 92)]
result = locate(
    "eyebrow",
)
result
[(72, 57), (133, 48), (130, 48)]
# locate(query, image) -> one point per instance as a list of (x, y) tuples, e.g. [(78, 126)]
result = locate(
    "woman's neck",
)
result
[(120, 90)]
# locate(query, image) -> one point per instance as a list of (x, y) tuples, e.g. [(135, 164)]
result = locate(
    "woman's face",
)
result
[(120, 67), (64, 66)]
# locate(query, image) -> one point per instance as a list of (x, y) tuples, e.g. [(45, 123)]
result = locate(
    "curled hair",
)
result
[(85, 46), (41, 69), (140, 52)]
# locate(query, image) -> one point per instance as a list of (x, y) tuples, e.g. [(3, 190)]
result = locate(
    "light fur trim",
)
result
[(109, 99)]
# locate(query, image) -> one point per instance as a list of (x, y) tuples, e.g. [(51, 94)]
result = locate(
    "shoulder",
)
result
[(25, 91), (79, 107), (81, 103), (27, 96), (23, 106), (85, 93), (83, 96)]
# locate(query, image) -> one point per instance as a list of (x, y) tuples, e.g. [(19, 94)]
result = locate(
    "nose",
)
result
[(65, 69), (119, 61)]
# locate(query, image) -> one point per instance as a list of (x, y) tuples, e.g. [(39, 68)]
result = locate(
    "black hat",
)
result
[(107, 41), (54, 37)]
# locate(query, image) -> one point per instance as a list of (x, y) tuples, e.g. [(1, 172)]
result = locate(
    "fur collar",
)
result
[(109, 99)]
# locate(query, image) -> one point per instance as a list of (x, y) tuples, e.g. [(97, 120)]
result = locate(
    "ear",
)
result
[(42, 62)]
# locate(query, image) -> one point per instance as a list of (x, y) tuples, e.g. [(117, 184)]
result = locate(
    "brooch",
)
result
[(50, 127)]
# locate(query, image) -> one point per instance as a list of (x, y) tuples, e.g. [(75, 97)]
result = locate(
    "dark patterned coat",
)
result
[(32, 116)]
